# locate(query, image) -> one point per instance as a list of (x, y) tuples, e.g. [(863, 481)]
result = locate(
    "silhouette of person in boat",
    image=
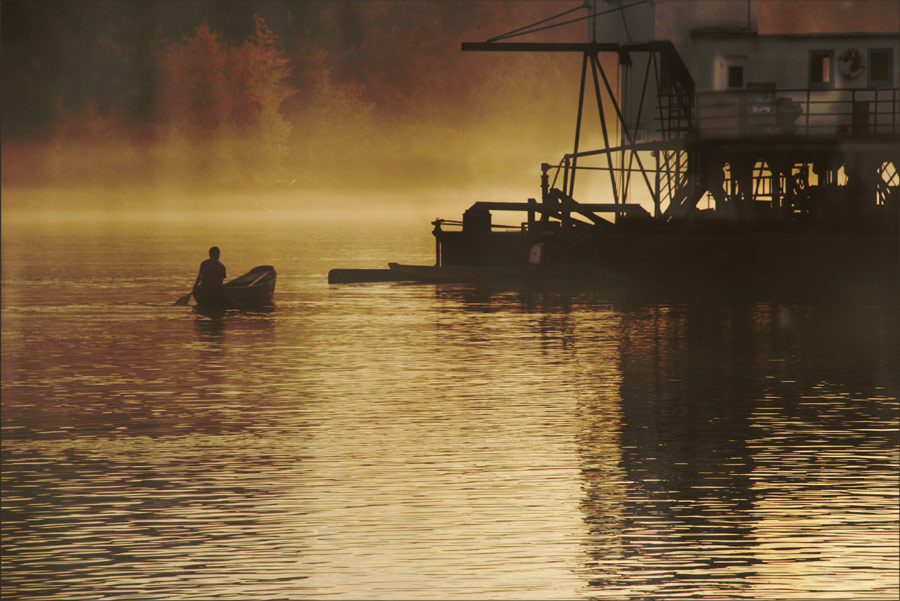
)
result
[(208, 287)]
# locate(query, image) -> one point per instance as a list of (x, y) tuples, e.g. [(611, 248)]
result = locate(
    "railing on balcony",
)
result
[(765, 112)]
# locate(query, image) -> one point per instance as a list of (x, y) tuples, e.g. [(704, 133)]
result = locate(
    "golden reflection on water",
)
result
[(701, 470), (392, 440)]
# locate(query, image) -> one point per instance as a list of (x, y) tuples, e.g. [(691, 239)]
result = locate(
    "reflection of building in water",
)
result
[(732, 424), (825, 450), (687, 380), (605, 488)]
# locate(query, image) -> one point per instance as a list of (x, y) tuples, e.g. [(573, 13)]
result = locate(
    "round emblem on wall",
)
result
[(850, 63)]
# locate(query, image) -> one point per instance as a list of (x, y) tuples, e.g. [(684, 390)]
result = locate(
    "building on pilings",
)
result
[(735, 149), (764, 123)]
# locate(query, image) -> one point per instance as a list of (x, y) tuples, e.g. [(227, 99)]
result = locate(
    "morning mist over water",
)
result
[(354, 98)]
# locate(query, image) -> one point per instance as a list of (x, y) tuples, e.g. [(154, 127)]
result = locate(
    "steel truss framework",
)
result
[(749, 174)]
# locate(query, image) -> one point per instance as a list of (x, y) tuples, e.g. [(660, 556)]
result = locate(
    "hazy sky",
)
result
[(59, 50), (829, 16), (336, 94), (373, 93)]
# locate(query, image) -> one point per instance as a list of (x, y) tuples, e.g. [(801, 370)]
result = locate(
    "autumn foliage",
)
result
[(210, 88), (346, 95), (224, 101), (193, 111)]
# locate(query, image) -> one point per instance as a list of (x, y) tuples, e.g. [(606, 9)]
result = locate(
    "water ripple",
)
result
[(405, 441)]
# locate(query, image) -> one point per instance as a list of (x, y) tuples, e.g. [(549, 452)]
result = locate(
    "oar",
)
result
[(184, 299)]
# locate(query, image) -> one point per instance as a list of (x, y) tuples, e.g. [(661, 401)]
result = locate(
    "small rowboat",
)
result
[(253, 289)]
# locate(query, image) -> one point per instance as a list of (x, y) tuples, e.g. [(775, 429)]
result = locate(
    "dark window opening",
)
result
[(880, 66), (666, 76), (735, 76)]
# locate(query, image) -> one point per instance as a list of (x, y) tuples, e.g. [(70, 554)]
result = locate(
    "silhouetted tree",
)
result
[(260, 73), (226, 100)]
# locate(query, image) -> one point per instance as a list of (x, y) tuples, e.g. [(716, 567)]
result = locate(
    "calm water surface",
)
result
[(418, 441)]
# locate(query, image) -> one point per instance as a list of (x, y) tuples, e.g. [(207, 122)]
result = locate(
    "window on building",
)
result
[(735, 76), (731, 74), (880, 67), (821, 69)]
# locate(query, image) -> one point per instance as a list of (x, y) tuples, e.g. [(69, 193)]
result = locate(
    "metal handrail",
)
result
[(859, 111)]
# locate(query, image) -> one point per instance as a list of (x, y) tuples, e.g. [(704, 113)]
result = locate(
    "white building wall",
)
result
[(667, 19), (711, 35), (675, 19), (783, 59), (778, 67), (670, 20)]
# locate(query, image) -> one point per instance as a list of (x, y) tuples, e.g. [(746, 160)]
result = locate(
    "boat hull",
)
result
[(673, 258), (456, 274), (255, 288)]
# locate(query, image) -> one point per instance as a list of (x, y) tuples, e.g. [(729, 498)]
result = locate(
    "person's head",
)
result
[(214, 253)]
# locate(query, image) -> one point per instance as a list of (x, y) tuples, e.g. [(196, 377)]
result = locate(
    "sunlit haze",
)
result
[(318, 107), (275, 106)]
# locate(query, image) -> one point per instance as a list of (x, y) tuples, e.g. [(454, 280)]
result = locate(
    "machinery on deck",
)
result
[(761, 159), (733, 155)]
